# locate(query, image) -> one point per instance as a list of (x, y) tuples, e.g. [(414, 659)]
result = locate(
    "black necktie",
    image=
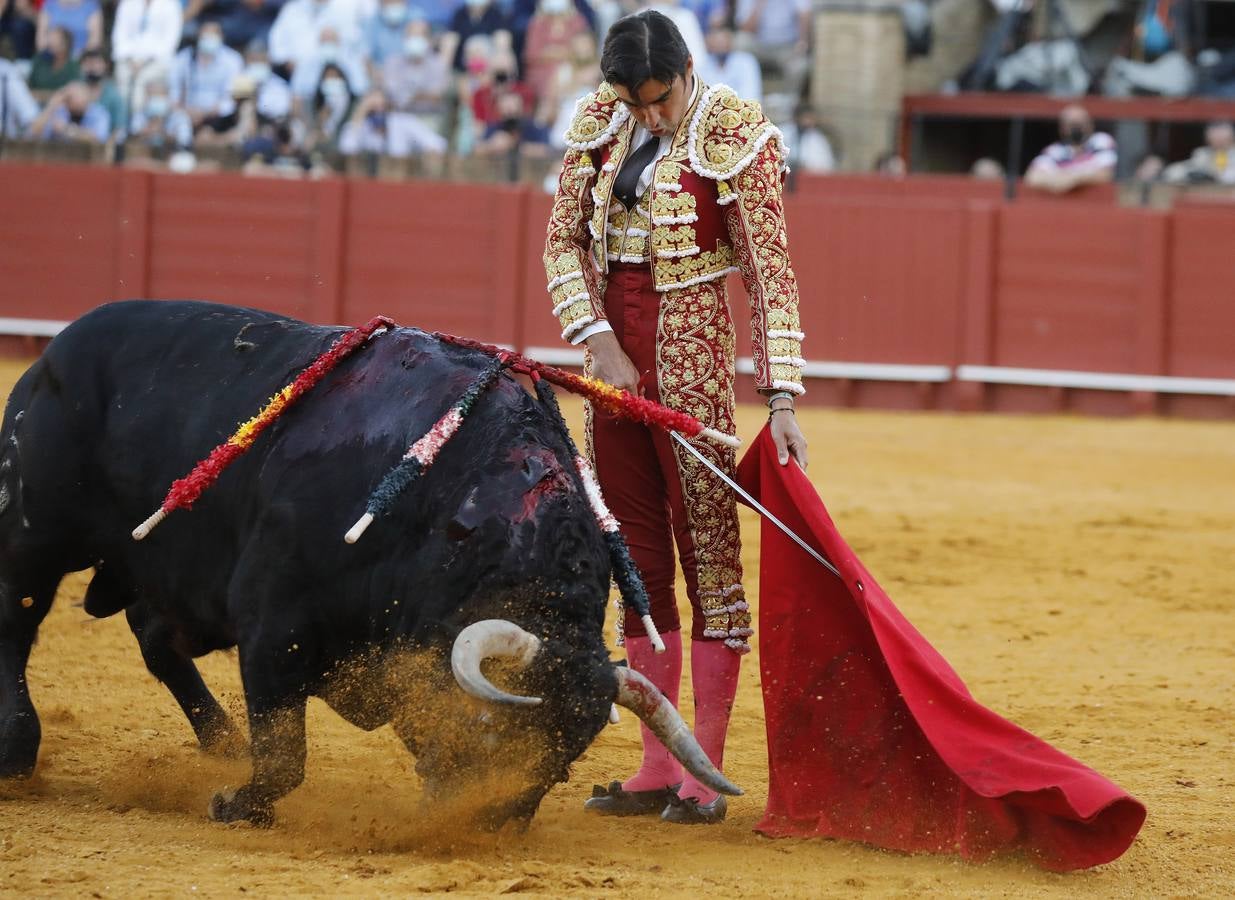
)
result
[(626, 185)]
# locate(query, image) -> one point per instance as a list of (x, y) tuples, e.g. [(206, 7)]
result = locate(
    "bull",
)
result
[(470, 617)]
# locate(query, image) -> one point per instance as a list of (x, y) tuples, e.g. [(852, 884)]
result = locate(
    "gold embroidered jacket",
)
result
[(713, 207)]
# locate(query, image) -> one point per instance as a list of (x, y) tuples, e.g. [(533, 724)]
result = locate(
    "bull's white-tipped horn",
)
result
[(486, 640), (643, 698)]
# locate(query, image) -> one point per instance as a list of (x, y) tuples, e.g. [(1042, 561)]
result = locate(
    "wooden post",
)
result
[(1153, 303), (975, 337)]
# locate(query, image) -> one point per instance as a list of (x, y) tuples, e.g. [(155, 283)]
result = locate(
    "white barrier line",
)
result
[(862, 371), (32, 327), (1099, 381)]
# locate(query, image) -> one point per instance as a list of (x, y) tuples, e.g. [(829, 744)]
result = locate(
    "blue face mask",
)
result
[(158, 106), (209, 43)]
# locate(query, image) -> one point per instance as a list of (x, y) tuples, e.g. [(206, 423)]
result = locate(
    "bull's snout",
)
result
[(488, 639)]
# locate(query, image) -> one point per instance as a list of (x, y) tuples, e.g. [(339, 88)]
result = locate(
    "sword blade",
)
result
[(759, 507)]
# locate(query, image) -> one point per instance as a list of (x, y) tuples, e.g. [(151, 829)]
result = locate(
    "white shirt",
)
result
[(294, 34), (146, 29), (740, 71), (637, 140), (202, 82), (20, 108)]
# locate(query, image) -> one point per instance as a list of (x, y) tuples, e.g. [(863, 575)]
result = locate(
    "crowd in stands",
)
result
[(291, 85)]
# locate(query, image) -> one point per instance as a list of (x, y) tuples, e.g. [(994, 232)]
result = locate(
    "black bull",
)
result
[(129, 397)]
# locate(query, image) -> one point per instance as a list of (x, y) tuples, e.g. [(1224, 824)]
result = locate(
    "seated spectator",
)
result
[(96, 72), (144, 39), (1212, 164), (415, 81), (809, 148), (474, 17), (891, 164), (330, 49), (383, 33), (277, 153), (18, 108), (19, 23), (549, 35), (987, 169), (501, 107), (779, 33), (201, 80), (690, 26), (1080, 157), (158, 125), (273, 98), (82, 18), (296, 33), (242, 21), (72, 115), (330, 108), (54, 66), (576, 78), (725, 65)]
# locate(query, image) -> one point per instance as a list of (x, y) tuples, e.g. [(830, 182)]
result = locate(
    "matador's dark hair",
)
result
[(646, 46)]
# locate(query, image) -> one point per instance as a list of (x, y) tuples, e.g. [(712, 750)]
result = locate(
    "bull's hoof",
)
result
[(19, 745), (16, 768), (234, 806)]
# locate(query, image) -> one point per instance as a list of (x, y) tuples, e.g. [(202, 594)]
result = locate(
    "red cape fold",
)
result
[(873, 737)]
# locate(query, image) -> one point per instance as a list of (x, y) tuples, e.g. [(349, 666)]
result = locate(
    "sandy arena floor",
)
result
[(1077, 573)]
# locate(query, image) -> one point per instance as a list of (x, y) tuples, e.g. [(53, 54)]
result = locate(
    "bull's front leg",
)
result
[(20, 617), (277, 741)]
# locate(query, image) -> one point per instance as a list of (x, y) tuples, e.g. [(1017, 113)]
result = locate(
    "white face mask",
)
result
[(258, 71), (477, 4), (328, 52), (416, 46), (334, 90), (394, 14), (158, 106), (209, 43), (554, 7)]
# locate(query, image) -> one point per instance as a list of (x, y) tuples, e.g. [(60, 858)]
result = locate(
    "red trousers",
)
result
[(642, 472)]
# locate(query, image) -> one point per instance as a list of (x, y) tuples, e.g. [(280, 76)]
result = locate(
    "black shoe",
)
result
[(691, 812), (613, 801)]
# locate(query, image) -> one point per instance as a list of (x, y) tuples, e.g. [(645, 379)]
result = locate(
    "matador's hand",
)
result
[(611, 364), (788, 438)]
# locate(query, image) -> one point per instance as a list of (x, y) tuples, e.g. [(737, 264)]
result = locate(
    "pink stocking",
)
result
[(659, 769), (714, 675)]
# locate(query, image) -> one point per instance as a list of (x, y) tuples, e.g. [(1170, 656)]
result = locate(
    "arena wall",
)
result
[(922, 293)]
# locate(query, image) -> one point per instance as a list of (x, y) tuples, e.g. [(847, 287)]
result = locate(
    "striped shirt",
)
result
[(1098, 152)]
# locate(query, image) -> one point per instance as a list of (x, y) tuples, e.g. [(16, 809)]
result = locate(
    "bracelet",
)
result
[(778, 395), (788, 409)]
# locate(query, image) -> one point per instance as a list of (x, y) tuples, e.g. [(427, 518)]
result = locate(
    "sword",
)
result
[(759, 507)]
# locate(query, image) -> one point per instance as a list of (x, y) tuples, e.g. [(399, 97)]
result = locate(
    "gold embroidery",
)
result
[(564, 255)]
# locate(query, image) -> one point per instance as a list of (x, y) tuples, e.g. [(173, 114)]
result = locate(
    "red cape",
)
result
[(871, 734)]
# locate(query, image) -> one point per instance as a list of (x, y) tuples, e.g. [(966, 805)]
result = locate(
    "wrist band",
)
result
[(788, 409), (778, 395)]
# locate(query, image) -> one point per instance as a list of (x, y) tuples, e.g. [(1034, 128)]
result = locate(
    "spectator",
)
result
[(1212, 164), (809, 148), (415, 81), (144, 39), (576, 78), (891, 164), (18, 109), (82, 18), (502, 107), (330, 108), (245, 123), (72, 115), (383, 33), (690, 26), (474, 17), (1162, 26), (158, 125), (54, 66), (329, 50), (1080, 157), (779, 34), (96, 72), (987, 169), (549, 35), (19, 23), (273, 98), (437, 13), (709, 12), (296, 33), (278, 153), (201, 80), (725, 65), (242, 21)]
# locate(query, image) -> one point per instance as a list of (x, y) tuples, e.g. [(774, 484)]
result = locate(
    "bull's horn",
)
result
[(487, 639), (642, 698)]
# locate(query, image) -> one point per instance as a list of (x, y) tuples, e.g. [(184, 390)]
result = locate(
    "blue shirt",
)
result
[(95, 120), (204, 83), (75, 17)]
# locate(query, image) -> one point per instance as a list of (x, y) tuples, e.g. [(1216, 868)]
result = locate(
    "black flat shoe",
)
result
[(691, 812), (613, 801)]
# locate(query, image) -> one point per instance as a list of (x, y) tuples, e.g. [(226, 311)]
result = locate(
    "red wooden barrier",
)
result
[(922, 274)]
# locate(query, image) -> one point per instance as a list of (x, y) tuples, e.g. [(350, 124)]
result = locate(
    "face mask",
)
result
[(157, 107), (209, 43), (416, 46), (554, 7), (328, 52), (258, 71), (92, 78), (334, 89), (394, 15), (477, 4), (1075, 135)]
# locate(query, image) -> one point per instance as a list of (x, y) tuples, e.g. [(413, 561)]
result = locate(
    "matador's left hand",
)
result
[(788, 438)]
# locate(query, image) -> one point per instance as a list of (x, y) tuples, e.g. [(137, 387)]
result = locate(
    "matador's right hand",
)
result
[(611, 364)]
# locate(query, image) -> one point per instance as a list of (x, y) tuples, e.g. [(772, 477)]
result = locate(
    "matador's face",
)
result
[(657, 106)]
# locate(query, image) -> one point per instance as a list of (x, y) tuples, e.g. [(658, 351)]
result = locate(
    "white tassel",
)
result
[(150, 524), (362, 524), (653, 635)]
